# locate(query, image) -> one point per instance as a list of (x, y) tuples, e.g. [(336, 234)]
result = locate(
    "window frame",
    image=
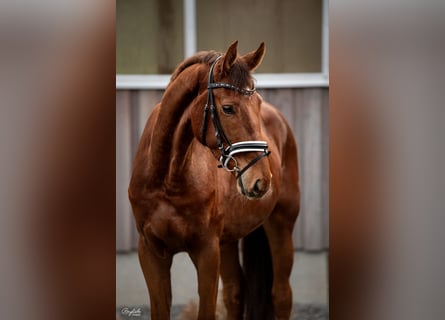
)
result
[(263, 80)]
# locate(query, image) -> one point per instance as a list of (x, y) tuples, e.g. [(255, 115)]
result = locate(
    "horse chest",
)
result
[(243, 216), (179, 220)]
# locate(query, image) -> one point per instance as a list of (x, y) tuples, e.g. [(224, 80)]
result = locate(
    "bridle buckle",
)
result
[(225, 161)]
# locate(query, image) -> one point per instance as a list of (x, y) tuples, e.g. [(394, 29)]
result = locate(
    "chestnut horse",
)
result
[(215, 164)]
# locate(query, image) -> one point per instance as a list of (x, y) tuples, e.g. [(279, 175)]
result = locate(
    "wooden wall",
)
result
[(307, 111)]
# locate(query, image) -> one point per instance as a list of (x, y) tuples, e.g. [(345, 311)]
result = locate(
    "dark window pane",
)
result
[(291, 30), (149, 36)]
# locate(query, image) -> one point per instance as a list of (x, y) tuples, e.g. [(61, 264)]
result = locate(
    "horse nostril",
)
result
[(256, 191), (257, 188)]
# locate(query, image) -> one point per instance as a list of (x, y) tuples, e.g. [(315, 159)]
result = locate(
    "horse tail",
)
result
[(257, 265)]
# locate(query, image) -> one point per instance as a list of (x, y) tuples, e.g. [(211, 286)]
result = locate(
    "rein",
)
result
[(227, 159)]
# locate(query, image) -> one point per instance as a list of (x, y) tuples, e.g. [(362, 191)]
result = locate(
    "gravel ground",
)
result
[(299, 312)]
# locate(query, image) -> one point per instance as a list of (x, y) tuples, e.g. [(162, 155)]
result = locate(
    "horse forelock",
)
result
[(239, 74)]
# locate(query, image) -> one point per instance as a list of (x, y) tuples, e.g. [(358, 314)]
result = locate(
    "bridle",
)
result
[(227, 159)]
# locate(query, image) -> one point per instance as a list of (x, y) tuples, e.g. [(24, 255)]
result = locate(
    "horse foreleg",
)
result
[(156, 269), (279, 233), (206, 258), (232, 277)]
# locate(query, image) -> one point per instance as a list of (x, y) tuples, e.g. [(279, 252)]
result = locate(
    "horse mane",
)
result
[(239, 74)]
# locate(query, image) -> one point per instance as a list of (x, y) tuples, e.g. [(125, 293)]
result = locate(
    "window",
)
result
[(153, 36), (291, 30), (149, 36)]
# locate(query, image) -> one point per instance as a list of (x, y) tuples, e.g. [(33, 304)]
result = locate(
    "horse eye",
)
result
[(227, 109)]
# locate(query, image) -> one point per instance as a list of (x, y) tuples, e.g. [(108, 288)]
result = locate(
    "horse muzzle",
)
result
[(256, 190), (251, 185)]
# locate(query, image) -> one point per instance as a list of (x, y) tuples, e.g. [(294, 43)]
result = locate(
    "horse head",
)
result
[(230, 124)]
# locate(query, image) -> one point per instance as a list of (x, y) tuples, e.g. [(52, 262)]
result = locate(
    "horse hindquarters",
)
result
[(257, 265)]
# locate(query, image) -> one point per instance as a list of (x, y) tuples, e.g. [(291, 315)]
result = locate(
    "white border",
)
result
[(263, 80)]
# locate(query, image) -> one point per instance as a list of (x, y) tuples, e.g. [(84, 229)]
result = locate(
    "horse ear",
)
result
[(253, 59), (230, 56)]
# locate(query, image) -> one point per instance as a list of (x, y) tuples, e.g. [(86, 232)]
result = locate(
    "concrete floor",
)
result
[(309, 280)]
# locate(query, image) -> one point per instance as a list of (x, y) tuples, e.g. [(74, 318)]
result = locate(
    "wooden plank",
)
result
[(147, 102), (123, 164), (325, 167), (299, 104), (283, 100), (312, 195), (134, 118), (134, 108)]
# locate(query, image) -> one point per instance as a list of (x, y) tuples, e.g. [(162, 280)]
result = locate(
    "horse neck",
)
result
[(172, 133), (182, 138)]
